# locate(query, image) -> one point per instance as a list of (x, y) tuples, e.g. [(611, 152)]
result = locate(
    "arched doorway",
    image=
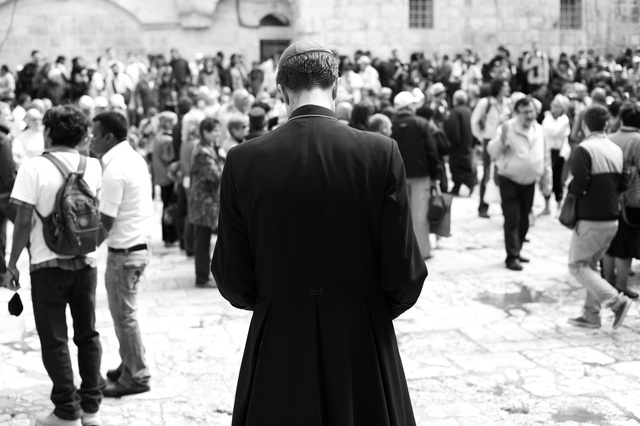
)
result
[(275, 35)]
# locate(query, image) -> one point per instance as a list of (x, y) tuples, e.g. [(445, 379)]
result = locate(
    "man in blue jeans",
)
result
[(57, 280), (125, 208), (596, 165)]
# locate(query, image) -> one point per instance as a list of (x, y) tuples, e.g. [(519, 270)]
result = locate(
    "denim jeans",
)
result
[(122, 280), (517, 201), (419, 193), (202, 249), (588, 245), (51, 290)]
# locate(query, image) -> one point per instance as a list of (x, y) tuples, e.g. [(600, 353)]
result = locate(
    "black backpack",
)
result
[(74, 227)]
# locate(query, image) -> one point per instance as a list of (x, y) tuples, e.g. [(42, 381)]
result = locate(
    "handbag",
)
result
[(436, 210), (568, 216), (443, 229), (15, 305)]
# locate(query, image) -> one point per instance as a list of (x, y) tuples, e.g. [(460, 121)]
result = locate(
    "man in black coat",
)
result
[(458, 131), (315, 236)]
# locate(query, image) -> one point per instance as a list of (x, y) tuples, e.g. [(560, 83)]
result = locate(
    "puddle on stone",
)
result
[(515, 300), (578, 414)]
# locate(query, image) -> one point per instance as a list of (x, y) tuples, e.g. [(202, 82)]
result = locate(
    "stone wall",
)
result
[(87, 27)]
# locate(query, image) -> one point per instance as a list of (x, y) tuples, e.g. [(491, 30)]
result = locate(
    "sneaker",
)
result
[(53, 420), (484, 215), (583, 322), (621, 311), (91, 419)]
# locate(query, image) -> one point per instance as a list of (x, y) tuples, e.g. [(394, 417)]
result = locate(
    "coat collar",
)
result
[(312, 110)]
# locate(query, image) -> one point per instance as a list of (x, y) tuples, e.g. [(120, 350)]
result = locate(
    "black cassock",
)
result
[(315, 236)]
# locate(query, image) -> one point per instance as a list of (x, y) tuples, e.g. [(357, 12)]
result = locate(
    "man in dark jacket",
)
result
[(420, 154), (596, 165), (458, 131), (7, 178), (315, 236)]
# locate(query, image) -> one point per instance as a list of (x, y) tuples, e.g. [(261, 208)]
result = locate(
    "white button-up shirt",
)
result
[(126, 196)]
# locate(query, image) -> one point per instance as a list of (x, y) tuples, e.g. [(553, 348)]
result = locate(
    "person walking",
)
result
[(596, 165), (419, 152), (489, 113), (520, 153), (626, 243), (60, 280), (458, 131), (326, 279), (126, 208)]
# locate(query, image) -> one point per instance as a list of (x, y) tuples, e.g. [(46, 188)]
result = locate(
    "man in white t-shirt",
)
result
[(126, 208), (56, 280)]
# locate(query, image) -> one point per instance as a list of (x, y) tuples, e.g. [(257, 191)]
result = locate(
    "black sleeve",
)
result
[(233, 263), (402, 269), (433, 160)]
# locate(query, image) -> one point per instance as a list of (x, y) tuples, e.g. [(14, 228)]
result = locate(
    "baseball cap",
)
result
[(404, 99), (301, 47)]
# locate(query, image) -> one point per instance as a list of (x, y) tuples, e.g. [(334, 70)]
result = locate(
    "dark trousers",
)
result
[(183, 227), (52, 289), (169, 234), (486, 167), (202, 249), (7, 212), (557, 166), (517, 201)]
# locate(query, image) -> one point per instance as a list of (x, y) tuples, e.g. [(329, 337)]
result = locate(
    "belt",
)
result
[(137, 247)]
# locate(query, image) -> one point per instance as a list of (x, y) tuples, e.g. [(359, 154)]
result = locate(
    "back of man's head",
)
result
[(112, 122), (67, 125), (307, 65), (257, 118), (630, 114), (596, 118)]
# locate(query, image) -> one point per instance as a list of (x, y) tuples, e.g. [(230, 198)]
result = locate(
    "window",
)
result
[(420, 13), (627, 11), (570, 14)]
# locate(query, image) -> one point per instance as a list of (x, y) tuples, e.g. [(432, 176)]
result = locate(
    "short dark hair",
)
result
[(521, 103), (67, 125), (113, 122), (630, 114), (208, 124), (257, 118), (596, 118), (33, 52), (495, 86), (307, 71)]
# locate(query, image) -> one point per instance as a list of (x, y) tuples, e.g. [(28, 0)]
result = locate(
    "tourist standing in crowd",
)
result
[(557, 129), (380, 123), (180, 72), (58, 280), (520, 153), (536, 67), (596, 166), (626, 243), (204, 197), (237, 128), (461, 157), (30, 142), (7, 85), (357, 220), (125, 208), (420, 155), (490, 112), (163, 156)]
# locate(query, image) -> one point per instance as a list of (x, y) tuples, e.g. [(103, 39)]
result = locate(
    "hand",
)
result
[(12, 280)]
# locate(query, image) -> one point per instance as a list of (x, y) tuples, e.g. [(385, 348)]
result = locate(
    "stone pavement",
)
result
[(483, 346)]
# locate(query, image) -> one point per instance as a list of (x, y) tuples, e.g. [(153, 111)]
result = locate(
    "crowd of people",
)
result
[(530, 123)]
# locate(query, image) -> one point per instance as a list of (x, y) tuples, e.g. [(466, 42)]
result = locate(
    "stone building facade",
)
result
[(256, 28)]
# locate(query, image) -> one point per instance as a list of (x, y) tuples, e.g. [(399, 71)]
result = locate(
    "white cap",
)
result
[(403, 100)]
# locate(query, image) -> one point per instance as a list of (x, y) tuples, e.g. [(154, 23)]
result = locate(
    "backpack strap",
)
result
[(62, 166)]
